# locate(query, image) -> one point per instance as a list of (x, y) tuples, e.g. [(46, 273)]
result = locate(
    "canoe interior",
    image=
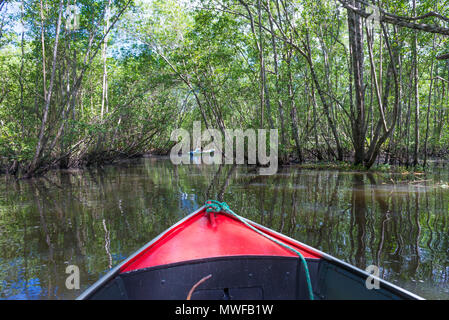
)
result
[(242, 264), (242, 278)]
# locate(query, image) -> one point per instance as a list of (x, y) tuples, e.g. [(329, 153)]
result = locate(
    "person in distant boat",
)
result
[(196, 151), (200, 151)]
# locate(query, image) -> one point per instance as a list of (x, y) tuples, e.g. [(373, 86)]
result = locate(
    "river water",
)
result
[(95, 218)]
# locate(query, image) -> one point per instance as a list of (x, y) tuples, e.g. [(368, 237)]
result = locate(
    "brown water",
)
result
[(96, 218)]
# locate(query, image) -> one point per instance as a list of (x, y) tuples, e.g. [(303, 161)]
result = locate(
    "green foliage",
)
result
[(170, 63)]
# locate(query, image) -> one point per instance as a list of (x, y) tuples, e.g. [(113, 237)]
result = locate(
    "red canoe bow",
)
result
[(220, 255)]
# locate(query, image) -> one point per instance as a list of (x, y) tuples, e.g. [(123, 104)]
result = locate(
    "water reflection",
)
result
[(95, 218)]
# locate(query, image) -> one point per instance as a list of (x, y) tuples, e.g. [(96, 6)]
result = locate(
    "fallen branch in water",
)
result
[(418, 181)]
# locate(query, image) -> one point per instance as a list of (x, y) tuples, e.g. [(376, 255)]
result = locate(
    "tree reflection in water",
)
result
[(95, 218)]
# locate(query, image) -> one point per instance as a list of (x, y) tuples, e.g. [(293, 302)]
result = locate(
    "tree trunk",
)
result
[(416, 91), (428, 105), (293, 111), (277, 86), (356, 51), (104, 97), (40, 142)]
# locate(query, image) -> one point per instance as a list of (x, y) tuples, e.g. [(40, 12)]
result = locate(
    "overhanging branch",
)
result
[(402, 21), (443, 56)]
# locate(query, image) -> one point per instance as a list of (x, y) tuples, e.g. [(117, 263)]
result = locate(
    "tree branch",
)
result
[(400, 20)]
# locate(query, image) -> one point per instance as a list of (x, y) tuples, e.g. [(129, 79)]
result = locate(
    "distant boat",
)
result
[(198, 151), (214, 254)]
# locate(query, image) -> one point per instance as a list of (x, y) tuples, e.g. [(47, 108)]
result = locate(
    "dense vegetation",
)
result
[(336, 85)]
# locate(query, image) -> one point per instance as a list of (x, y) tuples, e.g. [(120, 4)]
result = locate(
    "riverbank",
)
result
[(345, 166), (111, 158)]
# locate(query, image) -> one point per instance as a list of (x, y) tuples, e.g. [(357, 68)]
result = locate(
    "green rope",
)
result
[(214, 206)]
